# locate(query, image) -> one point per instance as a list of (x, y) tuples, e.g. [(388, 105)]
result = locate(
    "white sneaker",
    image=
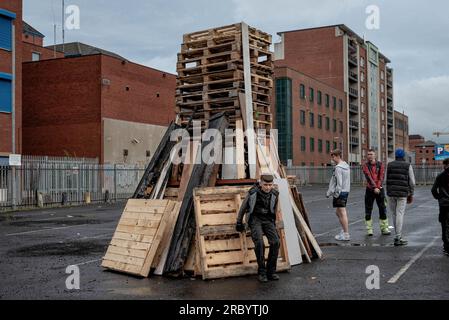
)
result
[(343, 236)]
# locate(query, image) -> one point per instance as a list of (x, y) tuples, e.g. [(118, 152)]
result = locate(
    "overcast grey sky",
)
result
[(413, 34)]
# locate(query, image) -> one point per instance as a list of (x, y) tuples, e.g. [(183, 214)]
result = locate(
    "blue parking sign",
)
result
[(441, 152)]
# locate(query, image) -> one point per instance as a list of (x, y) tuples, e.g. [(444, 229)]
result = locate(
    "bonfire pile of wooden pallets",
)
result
[(182, 217)]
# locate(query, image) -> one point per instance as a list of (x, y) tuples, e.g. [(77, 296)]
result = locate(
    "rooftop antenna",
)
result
[(63, 26)]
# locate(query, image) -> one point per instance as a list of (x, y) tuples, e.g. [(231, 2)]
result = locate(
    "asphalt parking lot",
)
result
[(38, 246)]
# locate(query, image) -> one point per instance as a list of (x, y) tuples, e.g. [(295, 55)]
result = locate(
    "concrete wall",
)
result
[(137, 138)]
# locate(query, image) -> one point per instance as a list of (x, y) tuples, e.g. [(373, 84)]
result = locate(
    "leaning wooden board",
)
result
[(137, 237), (223, 252)]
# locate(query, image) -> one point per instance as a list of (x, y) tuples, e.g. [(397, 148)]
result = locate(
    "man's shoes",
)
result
[(273, 277), (369, 227), (384, 227), (400, 242), (343, 236), (263, 278)]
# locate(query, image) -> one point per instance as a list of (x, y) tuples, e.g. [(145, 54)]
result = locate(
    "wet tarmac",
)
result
[(37, 247)]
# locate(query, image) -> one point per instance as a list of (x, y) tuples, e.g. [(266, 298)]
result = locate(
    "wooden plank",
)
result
[(130, 244), (136, 240), (223, 245), (219, 219), (240, 149), (251, 140), (132, 237), (136, 253), (136, 230), (192, 153), (161, 257), (221, 206)]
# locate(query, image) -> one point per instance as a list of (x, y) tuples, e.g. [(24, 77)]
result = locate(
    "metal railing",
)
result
[(72, 182), (424, 175)]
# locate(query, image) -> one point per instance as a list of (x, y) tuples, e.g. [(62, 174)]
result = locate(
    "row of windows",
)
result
[(327, 122), (6, 22), (319, 98), (320, 145)]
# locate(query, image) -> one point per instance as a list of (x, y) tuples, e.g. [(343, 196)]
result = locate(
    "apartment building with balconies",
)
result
[(337, 56)]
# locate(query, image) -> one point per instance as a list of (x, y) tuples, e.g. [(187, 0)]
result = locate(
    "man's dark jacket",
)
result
[(440, 189), (398, 184), (249, 204)]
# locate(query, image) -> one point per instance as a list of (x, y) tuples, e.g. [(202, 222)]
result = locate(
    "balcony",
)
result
[(353, 108), (354, 141), (390, 148), (390, 122), (390, 96), (390, 135), (353, 92), (353, 60), (389, 83), (353, 76), (352, 46), (353, 124), (390, 108)]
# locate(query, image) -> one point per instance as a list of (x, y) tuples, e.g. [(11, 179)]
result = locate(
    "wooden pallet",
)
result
[(136, 240), (223, 252)]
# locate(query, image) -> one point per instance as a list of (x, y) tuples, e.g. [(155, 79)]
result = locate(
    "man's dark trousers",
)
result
[(370, 196), (444, 220), (259, 227)]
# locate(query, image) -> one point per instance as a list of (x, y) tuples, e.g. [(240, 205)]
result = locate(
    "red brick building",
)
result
[(340, 58), (10, 78), (425, 154), (33, 46), (95, 106), (310, 118)]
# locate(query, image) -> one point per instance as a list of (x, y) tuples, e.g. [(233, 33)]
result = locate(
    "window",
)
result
[(312, 144), (320, 146), (328, 123), (362, 61), (362, 94), (148, 153), (382, 75), (312, 120), (363, 123), (302, 117), (363, 138), (5, 93), (335, 145), (328, 146), (341, 126), (382, 102), (382, 88), (302, 91), (319, 97), (35, 56), (334, 102), (320, 121), (311, 94), (303, 143), (340, 103), (362, 76), (383, 116), (6, 32), (363, 107), (334, 125), (327, 100)]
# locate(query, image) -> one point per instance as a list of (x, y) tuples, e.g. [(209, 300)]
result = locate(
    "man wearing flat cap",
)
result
[(260, 208)]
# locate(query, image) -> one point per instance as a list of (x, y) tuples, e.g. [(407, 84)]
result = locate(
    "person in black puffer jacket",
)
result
[(400, 188), (440, 191)]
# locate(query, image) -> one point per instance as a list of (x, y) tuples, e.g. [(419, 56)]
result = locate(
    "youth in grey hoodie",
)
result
[(340, 181)]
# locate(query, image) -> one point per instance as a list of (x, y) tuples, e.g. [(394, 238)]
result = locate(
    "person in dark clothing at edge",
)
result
[(260, 206), (374, 172), (440, 191)]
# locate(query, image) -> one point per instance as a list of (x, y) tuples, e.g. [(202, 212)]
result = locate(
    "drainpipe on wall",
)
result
[(13, 115)]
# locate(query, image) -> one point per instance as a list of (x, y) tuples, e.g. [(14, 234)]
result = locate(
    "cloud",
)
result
[(426, 101)]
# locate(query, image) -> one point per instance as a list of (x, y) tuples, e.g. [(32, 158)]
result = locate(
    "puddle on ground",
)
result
[(61, 222), (73, 248), (334, 244)]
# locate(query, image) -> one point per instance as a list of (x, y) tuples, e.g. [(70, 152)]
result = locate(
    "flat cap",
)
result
[(267, 178)]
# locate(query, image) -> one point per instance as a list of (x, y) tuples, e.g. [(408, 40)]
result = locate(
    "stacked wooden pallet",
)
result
[(218, 67), (224, 80)]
